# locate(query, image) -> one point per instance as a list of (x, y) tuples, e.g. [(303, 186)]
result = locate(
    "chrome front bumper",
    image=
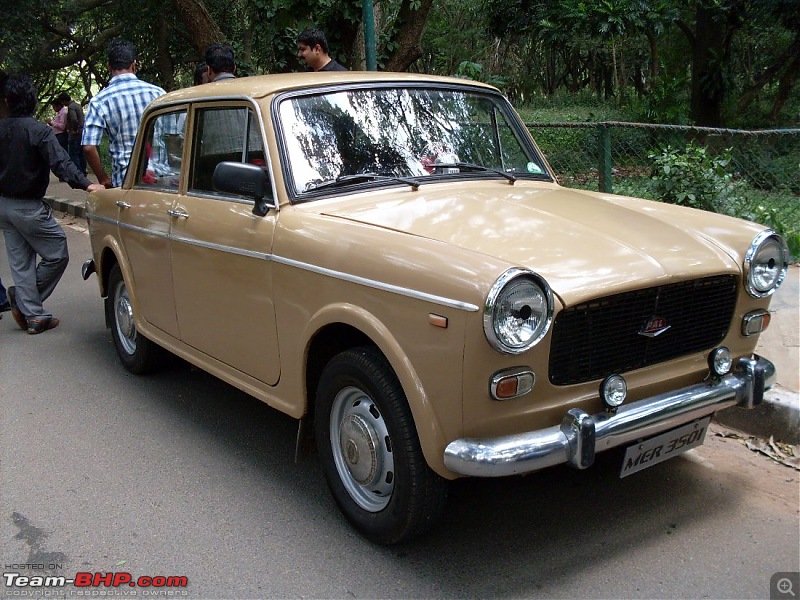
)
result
[(580, 435)]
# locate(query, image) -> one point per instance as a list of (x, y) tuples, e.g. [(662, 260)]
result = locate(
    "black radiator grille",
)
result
[(602, 336)]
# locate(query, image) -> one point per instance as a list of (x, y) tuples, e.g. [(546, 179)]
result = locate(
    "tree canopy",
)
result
[(706, 62)]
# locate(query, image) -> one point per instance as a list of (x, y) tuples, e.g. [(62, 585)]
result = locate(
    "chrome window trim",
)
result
[(295, 196), (221, 197), (194, 104), (349, 277)]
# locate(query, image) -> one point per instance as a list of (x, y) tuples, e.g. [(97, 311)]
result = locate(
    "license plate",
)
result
[(660, 448)]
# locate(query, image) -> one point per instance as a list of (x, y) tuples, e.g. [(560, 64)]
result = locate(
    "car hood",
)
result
[(583, 243)]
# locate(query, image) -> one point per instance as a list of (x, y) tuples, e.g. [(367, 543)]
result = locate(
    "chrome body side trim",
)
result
[(580, 435), (378, 285), (396, 289)]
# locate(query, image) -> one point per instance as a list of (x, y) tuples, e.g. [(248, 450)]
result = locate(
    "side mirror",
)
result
[(245, 180)]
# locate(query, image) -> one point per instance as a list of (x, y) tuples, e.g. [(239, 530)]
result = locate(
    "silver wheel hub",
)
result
[(362, 450), (123, 316), (359, 449)]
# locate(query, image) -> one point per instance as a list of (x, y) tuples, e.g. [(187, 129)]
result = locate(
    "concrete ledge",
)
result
[(778, 416), (72, 208)]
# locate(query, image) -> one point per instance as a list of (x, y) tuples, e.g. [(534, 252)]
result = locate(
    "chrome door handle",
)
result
[(178, 214), (122, 204)]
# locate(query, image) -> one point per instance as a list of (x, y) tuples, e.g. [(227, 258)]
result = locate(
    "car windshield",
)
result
[(408, 132)]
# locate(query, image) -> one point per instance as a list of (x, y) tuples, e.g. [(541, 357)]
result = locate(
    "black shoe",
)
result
[(40, 324), (15, 312), (4, 306)]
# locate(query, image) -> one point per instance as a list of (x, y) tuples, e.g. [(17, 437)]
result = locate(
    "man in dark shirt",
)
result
[(30, 152), (220, 63), (75, 120), (312, 49)]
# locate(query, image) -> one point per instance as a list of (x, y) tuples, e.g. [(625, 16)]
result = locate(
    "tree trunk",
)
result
[(781, 69), (712, 35), (655, 58), (163, 59), (203, 30), (785, 85), (411, 25)]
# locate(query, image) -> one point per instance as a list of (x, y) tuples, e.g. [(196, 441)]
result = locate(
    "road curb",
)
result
[(66, 206), (778, 416)]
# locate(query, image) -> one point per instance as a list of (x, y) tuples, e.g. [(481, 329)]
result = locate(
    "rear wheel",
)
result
[(137, 353), (370, 451)]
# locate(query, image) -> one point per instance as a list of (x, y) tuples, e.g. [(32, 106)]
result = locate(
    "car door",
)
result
[(221, 251), (144, 218)]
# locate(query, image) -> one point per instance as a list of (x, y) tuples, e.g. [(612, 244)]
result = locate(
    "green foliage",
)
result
[(666, 102), (692, 176), (773, 218), (580, 107), (476, 72)]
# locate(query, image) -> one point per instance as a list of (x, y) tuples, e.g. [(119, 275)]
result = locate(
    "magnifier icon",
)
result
[(784, 586)]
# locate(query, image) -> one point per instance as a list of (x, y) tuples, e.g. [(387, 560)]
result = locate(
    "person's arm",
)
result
[(93, 158)]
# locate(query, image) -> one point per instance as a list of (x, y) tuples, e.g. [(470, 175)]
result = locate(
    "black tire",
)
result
[(362, 413), (137, 354)]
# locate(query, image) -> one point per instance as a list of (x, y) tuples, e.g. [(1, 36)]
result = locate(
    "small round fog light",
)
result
[(720, 361), (613, 391)]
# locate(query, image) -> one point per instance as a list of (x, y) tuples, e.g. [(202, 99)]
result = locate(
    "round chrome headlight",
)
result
[(518, 311), (765, 264)]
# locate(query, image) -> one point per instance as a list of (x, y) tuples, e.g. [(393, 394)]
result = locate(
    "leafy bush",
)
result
[(475, 71), (770, 165), (693, 177), (774, 219)]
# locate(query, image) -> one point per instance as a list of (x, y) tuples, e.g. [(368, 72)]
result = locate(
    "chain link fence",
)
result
[(764, 165)]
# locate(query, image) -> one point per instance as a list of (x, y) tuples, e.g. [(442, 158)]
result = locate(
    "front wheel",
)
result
[(137, 354), (370, 450)]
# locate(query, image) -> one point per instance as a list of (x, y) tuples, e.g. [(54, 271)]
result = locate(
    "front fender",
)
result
[(435, 406)]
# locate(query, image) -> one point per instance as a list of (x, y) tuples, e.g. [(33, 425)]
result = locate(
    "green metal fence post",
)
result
[(604, 151), (369, 35)]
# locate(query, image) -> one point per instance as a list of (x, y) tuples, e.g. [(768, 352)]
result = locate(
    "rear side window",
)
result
[(161, 163)]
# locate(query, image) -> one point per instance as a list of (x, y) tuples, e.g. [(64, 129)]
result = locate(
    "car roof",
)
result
[(263, 85)]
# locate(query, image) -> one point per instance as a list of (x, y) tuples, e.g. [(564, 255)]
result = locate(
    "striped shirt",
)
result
[(116, 111)]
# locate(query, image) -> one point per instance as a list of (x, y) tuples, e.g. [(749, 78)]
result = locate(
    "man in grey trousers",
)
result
[(30, 151)]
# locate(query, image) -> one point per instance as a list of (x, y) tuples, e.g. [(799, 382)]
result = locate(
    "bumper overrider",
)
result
[(580, 434)]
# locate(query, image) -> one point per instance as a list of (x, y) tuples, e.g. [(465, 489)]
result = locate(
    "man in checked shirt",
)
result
[(116, 111)]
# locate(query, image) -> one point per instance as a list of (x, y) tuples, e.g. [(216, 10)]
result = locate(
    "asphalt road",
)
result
[(178, 474)]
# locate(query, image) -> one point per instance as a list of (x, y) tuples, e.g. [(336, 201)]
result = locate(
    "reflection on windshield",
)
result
[(398, 132)]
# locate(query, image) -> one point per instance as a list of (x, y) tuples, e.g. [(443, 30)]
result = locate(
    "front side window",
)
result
[(223, 134), (162, 160), (400, 133)]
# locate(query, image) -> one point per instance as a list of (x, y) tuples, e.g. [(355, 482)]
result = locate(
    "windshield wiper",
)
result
[(474, 167), (344, 180)]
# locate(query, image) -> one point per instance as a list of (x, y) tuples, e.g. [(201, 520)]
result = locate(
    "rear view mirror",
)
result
[(244, 180)]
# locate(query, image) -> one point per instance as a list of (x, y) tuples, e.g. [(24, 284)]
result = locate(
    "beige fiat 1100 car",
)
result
[(388, 259)]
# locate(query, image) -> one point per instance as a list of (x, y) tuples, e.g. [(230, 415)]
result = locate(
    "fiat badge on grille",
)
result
[(654, 326)]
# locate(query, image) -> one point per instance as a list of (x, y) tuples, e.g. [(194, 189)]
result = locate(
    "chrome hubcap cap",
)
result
[(362, 450), (124, 320)]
